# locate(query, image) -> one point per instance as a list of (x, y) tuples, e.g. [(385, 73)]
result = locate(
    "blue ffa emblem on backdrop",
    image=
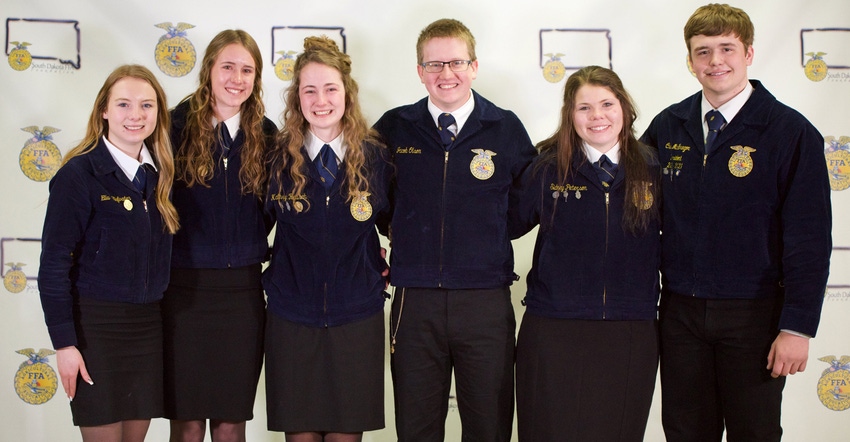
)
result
[(837, 153), (175, 54), (816, 68), (40, 158), (834, 383), (35, 381), (15, 280), (20, 58), (284, 67)]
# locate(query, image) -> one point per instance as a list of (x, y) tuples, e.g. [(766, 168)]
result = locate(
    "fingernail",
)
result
[(90, 382)]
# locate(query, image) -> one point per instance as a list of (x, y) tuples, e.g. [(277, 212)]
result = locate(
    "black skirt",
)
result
[(580, 380), (325, 379), (121, 344), (213, 322)]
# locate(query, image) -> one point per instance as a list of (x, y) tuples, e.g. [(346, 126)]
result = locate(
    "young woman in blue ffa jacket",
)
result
[(106, 249), (325, 283), (214, 309), (587, 350)]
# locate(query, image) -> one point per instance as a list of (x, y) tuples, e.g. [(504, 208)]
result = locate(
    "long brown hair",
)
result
[(565, 144), (195, 157), (158, 142), (355, 130)]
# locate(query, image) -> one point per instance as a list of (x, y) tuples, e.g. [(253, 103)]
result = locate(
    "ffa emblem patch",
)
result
[(482, 166), (741, 163), (361, 210), (816, 68), (20, 58), (837, 153), (15, 280), (40, 158), (834, 383), (554, 70), (35, 381), (643, 198), (174, 53), (284, 67)]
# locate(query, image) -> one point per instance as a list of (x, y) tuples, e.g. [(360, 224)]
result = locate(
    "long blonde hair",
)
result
[(158, 142), (355, 130), (194, 157)]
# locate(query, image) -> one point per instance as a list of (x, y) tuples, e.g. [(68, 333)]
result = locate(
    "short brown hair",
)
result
[(445, 28), (720, 19)]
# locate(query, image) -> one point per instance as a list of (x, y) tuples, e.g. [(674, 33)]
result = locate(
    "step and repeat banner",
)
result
[(58, 54)]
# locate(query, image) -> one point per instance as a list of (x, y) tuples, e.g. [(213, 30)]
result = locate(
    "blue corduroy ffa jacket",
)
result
[(449, 228), (222, 227), (326, 265), (585, 264), (101, 240), (766, 233)]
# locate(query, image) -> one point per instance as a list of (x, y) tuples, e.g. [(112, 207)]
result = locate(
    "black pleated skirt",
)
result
[(325, 379), (213, 321), (121, 344)]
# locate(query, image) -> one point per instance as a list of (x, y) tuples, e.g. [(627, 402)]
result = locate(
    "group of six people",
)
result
[(151, 275)]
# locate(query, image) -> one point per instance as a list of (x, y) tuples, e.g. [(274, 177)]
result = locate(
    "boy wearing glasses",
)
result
[(458, 162)]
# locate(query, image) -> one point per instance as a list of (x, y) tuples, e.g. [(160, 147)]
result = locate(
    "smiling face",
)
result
[(447, 89), (720, 64), (130, 114), (232, 80), (322, 97), (598, 117)]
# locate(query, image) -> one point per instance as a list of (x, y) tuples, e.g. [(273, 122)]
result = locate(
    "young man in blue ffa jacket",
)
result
[(459, 161), (746, 241)]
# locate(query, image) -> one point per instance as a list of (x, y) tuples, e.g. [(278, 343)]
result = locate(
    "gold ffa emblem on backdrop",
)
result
[(554, 69), (284, 67), (361, 209), (15, 280), (741, 163), (816, 69), (35, 381), (20, 58), (837, 154), (482, 166), (834, 383), (40, 158), (175, 54)]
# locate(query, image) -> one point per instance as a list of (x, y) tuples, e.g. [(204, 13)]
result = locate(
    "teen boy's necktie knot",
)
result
[(327, 166), (715, 122), (445, 120)]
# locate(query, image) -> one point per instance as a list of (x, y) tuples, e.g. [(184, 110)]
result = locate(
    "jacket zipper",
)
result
[(605, 255), (443, 217)]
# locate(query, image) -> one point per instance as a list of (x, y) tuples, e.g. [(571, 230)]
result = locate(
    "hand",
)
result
[(386, 272), (70, 363), (788, 354)]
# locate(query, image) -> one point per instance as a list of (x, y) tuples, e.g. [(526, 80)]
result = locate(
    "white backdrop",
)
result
[(642, 41)]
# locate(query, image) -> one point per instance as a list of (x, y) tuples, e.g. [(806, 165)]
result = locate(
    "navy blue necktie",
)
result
[(605, 170), (445, 120), (226, 140), (327, 166), (141, 179), (715, 122)]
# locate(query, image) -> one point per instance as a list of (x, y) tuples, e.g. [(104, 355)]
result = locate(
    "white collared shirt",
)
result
[(461, 114), (729, 109), (128, 164), (594, 155), (233, 123), (314, 144)]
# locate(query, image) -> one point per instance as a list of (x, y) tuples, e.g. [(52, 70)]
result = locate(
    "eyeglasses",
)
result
[(437, 66)]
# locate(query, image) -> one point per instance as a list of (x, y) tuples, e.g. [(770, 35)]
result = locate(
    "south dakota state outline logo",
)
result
[(35, 380), (40, 158), (834, 383), (174, 54)]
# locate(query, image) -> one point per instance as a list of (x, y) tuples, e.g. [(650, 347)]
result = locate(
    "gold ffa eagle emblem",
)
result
[(834, 383), (284, 67), (15, 280), (741, 163), (40, 158), (35, 381), (20, 58), (175, 54)]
